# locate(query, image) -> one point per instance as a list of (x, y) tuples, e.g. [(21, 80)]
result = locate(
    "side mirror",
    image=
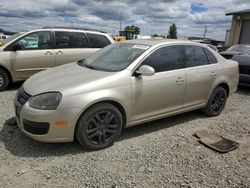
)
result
[(145, 70), (16, 47)]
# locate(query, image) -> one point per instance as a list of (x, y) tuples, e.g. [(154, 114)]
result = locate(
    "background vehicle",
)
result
[(235, 50), (25, 54), (244, 68), (122, 85), (2, 38), (212, 47)]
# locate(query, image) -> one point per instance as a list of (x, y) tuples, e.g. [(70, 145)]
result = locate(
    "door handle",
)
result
[(48, 53), (180, 80), (59, 52), (213, 74)]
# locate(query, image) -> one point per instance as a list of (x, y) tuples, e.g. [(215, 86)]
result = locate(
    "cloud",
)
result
[(190, 16)]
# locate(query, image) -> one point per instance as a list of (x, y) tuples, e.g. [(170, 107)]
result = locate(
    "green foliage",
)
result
[(172, 34), (135, 30), (157, 35)]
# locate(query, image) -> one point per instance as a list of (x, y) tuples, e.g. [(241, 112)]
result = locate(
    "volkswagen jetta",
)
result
[(122, 85)]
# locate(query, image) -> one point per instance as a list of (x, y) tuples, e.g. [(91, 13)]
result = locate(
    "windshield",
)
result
[(115, 57), (247, 53), (241, 48), (12, 37)]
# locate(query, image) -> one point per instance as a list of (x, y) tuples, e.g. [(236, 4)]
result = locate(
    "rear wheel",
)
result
[(216, 102), (4, 80), (99, 126)]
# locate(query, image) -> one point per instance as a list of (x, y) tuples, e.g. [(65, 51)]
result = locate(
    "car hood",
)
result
[(232, 53), (64, 78)]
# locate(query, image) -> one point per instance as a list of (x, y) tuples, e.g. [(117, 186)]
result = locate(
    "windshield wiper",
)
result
[(82, 63), (89, 66)]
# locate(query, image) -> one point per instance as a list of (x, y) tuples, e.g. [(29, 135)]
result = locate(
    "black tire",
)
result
[(4, 80), (99, 126), (216, 102)]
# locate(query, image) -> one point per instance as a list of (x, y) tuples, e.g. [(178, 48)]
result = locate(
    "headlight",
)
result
[(46, 101)]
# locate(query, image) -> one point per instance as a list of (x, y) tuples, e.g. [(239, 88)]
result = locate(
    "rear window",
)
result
[(210, 57), (98, 41)]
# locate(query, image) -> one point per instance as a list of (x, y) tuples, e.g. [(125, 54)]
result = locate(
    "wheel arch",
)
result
[(221, 84), (7, 72), (113, 102), (225, 86)]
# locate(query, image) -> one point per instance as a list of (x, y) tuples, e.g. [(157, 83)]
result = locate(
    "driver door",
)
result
[(34, 53), (163, 92)]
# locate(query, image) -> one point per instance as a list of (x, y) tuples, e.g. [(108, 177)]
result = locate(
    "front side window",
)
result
[(165, 59), (71, 40), (98, 41), (195, 56), (114, 57), (35, 41)]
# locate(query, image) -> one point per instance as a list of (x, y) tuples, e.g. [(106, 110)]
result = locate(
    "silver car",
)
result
[(122, 85)]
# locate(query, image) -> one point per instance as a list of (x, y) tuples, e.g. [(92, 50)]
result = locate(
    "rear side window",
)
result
[(195, 56), (165, 59), (71, 40), (210, 57), (98, 41)]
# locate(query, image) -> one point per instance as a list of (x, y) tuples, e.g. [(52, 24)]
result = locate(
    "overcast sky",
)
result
[(152, 17)]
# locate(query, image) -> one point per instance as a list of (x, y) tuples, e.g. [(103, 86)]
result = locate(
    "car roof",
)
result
[(155, 42), (73, 28)]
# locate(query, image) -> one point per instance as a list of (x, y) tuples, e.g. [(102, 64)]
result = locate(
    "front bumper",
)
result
[(244, 80), (40, 124)]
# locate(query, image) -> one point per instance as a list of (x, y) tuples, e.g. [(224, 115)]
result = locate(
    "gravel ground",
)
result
[(162, 153)]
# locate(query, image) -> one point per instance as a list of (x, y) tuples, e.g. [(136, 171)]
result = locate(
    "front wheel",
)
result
[(99, 126), (4, 80), (216, 102)]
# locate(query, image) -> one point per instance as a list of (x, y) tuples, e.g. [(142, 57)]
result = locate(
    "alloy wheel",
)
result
[(102, 127), (1, 80), (218, 102)]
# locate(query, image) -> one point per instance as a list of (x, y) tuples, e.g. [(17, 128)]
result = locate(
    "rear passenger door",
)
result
[(71, 46), (201, 72)]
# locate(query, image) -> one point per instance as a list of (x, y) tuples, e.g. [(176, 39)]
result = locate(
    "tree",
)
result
[(130, 31), (133, 29), (157, 36), (172, 34)]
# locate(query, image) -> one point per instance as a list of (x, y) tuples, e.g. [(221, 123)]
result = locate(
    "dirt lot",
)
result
[(162, 153)]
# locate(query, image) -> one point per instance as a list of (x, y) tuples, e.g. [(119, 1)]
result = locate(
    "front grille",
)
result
[(38, 128), (22, 96), (244, 69)]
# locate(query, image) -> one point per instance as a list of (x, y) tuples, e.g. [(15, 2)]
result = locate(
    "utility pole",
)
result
[(205, 31), (120, 24)]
